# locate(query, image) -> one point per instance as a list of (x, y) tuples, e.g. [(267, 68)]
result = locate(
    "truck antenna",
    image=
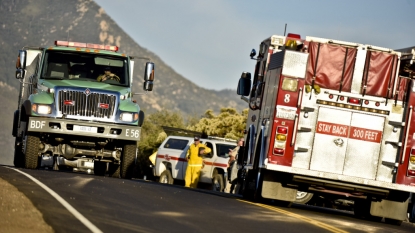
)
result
[(285, 29)]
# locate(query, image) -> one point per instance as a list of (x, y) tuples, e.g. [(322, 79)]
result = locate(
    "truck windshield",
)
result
[(85, 66)]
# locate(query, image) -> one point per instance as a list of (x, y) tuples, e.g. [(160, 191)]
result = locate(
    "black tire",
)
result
[(250, 192), (140, 118), (217, 183), (100, 168), (31, 151), (114, 170), (166, 177), (128, 161), (411, 212), (362, 210), (393, 221), (19, 159), (303, 197)]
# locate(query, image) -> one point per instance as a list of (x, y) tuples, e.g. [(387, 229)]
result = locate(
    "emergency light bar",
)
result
[(86, 45)]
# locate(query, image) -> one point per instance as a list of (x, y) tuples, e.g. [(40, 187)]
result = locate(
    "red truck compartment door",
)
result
[(330, 141), (347, 143), (363, 149)]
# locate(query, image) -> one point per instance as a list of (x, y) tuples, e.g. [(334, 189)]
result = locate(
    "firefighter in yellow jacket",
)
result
[(195, 162)]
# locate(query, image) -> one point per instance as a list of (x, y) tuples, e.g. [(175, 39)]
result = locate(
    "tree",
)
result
[(227, 124), (152, 135)]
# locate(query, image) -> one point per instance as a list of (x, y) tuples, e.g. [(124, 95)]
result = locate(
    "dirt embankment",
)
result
[(17, 212)]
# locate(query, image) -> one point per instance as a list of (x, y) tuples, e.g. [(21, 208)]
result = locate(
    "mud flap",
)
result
[(390, 209), (273, 189)]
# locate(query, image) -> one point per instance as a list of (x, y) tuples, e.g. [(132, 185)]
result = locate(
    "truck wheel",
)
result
[(250, 192), (140, 118), (166, 177), (362, 210), (127, 161), (31, 151), (18, 154), (114, 170), (100, 168), (411, 212), (393, 221), (217, 183), (303, 197)]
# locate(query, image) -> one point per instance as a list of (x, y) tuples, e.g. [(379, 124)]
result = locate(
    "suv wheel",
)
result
[(166, 177), (217, 183)]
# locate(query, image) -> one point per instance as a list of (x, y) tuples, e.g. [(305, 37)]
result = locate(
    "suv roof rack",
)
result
[(171, 131), (181, 132), (222, 139)]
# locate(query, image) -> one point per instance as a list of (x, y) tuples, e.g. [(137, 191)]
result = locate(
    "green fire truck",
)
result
[(75, 109)]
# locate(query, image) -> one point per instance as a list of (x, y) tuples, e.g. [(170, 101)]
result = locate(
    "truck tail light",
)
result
[(280, 140), (282, 130), (278, 151), (281, 137)]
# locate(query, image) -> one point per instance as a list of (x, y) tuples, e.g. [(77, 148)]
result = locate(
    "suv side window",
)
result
[(209, 144), (223, 149), (177, 144)]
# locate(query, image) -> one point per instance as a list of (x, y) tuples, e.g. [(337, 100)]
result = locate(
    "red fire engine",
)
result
[(332, 117)]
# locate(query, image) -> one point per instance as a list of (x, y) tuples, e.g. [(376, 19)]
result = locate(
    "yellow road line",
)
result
[(308, 220)]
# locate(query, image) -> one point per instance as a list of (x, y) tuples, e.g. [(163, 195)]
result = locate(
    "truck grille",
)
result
[(78, 103)]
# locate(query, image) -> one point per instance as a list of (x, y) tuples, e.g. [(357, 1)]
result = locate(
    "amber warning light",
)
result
[(86, 45)]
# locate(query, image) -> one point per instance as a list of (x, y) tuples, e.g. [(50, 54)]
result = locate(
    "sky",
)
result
[(208, 42)]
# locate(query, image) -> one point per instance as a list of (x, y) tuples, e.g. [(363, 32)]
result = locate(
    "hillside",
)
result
[(39, 23)]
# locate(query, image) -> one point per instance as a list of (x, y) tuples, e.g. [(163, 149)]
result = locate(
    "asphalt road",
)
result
[(77, 202)]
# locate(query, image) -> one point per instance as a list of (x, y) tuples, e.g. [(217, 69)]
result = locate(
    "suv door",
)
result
[(206, 172)]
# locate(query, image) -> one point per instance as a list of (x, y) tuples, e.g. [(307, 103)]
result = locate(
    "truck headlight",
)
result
[(129, 116), (41, 109)]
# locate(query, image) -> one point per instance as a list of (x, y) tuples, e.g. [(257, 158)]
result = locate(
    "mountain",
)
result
[(39, 23)]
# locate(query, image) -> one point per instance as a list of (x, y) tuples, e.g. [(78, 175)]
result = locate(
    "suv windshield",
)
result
[(85, 66)]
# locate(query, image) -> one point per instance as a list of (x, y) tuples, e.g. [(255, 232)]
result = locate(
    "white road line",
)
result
[(72, 210)]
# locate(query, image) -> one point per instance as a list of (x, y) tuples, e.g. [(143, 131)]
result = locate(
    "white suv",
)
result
[(171, 160)]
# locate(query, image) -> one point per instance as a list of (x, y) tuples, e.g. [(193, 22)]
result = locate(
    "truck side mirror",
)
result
[(149, 72), (148, 86), (244, 84), (21, 64), (148, 76), (252, 54), (22, 59)]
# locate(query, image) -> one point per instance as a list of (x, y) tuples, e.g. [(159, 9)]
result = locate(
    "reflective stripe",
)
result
[(194, 165)]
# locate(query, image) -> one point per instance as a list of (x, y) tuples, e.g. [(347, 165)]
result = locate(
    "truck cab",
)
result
[(69, 117)]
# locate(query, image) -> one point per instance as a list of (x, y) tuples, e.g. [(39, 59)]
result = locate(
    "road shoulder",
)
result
[(17, 212)]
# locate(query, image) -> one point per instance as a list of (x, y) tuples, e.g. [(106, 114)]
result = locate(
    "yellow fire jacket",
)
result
[(193, 154)]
